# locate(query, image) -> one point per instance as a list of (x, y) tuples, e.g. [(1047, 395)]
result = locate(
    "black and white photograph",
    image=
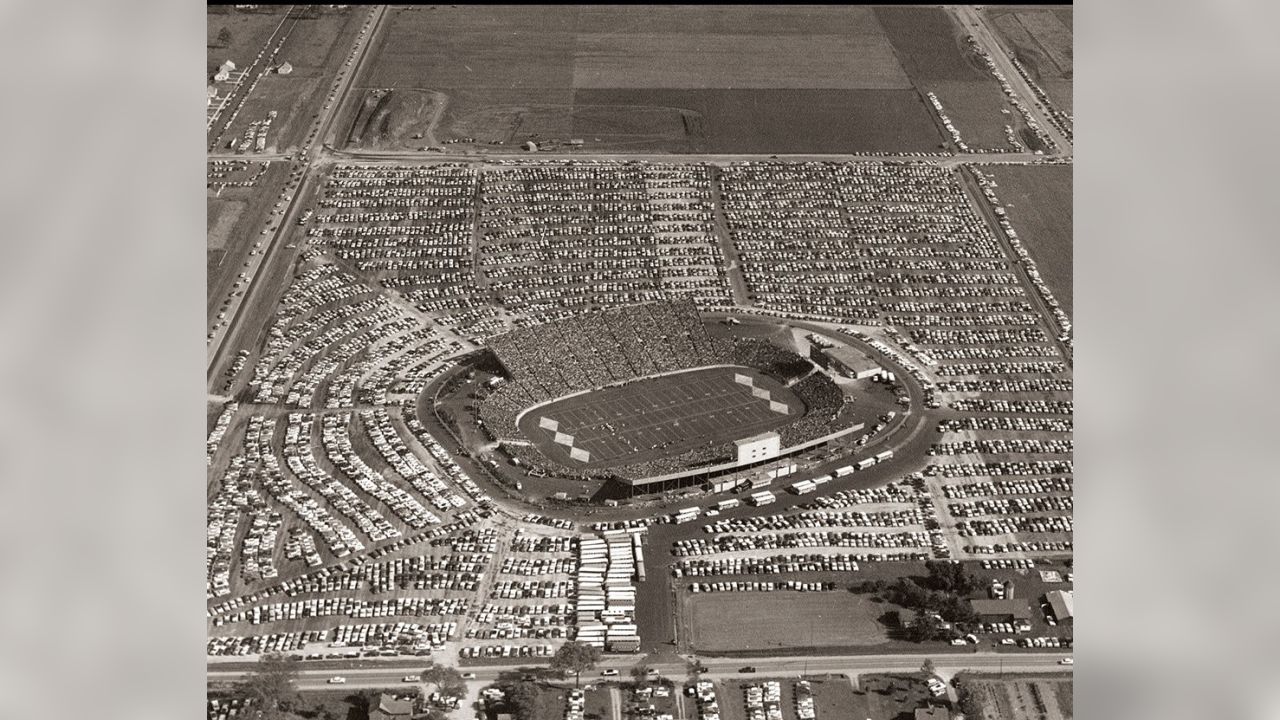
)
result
[(640, 362)]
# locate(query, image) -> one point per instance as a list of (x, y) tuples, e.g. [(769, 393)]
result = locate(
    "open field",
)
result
[(1039, 38), (682, 79), (660, 416), (975, 108), (1041, 214), (760, 621)]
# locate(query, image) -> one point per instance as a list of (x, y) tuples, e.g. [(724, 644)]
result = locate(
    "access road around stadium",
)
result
[(390, 673)]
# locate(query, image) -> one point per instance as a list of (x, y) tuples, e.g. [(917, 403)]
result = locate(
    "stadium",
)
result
[(644, 397)]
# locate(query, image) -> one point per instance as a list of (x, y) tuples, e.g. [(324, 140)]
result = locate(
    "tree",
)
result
[(273, 686), (927, 668), (575, 657), (224, 37), (523, 697), (448, 680), (640, 673), (923, 627), (891, 619), (969, 702)]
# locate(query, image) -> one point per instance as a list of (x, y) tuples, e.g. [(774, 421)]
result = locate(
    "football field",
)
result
[(660, 416)]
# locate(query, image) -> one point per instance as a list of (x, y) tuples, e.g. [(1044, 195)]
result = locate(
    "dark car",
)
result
[(747, 669)]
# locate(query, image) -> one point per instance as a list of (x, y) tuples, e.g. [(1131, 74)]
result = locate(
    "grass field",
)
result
[(679, 79), (784, 620), (660, 416), (1041, 214)]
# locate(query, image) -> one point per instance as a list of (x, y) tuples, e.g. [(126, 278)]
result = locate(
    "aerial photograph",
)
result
[(639, 362)]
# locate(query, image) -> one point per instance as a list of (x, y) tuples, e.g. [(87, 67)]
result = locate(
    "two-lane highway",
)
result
[(270, 262), (391, 673), (972, 21)]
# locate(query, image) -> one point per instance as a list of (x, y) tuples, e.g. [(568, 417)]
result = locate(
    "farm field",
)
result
[(786, 120), (671, 79), (660, 416), (929, 45), (1040, 38), (1023, 697), (781, 620), (1041, 214)]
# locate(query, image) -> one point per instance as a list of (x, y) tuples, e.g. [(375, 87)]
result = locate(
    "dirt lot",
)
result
[(784, 620), (1041, 214), (395, 120)]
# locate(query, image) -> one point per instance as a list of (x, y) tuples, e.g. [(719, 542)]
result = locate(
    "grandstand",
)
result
[(648, 392), (605, 347)]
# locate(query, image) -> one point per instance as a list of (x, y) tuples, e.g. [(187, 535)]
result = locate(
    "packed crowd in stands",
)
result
[(618, 345)]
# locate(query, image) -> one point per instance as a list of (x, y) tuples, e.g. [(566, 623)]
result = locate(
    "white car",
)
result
[(337, 680), (1067, 661), (411, 678), (468, 676), (609, 673)]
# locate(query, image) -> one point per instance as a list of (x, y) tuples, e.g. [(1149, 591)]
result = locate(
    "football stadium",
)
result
[(645, 396)]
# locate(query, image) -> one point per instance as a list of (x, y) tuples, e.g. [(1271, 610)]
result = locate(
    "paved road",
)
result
[(973, 21), (390, 674), (269, 263), (495, 157)]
